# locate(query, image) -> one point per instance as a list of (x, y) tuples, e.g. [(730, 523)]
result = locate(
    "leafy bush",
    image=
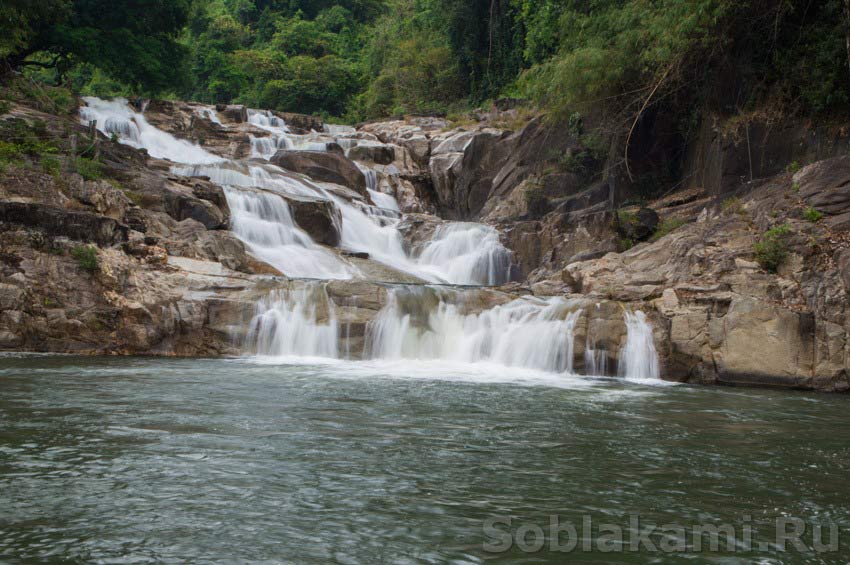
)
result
[(89, 169), (812, 215), (86, 256), (794, 167), (772, 249), (51, 165), (627, 218)]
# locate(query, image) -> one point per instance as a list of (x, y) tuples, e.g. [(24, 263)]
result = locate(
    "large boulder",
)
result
[(321, 219), (301, 123), (825, 186), (80, 226), (182, 206), (637, 226), (232, 113), (323, 167), (377, 153)]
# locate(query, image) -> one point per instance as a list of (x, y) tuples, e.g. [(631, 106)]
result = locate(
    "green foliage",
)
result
[(88, 168), (625, 244), (772, 249), (793, 167), (5, 106), (21, 141), (627, 218), (51, 165), (86, 256), (812, 215), (134, 42), (666, 227)]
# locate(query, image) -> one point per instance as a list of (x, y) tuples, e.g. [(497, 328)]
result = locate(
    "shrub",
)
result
[(812, 215), (626, 243), (576, 124), (627, 218), (5, 106), (86, 256), (667, 226), (772, 249), (51, 165), (794, 167), (89, 169)]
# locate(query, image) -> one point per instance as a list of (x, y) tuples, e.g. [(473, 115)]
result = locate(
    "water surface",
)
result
[(139, 460)]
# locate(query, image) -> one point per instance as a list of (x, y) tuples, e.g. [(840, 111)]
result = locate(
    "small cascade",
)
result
[(267, 120), (209, 113), (280, 138), (264, 222), (295, 323), (469, 254), (115, 117), (595, 362), (530, 332), (595, 354), (638, 358)]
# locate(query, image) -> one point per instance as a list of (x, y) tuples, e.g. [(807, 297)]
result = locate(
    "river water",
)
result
[(140, 460)]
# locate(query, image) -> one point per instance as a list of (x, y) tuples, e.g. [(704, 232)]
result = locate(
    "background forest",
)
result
[(364, 59)]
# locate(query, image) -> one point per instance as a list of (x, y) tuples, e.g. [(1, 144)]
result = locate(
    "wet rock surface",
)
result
[(171, 279)]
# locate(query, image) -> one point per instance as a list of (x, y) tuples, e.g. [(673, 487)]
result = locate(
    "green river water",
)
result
[(193, 461)]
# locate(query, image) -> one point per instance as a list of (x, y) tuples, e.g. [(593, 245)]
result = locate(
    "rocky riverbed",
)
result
[(172, 274)]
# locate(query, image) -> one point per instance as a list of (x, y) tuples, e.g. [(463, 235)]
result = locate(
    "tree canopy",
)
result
[(371, 58), (134, 42)]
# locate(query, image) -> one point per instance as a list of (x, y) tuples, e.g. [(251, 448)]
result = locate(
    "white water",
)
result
[(469, 254), (529, 332), (417, 323), (210, 114), (638, 358), (263, 221), (287, 324), (116, 117)]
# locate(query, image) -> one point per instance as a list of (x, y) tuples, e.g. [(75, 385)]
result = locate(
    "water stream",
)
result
[(417, 323)]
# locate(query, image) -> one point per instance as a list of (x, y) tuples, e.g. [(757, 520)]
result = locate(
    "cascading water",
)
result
[(595, 357), (115, 117), (638, 357), (295, 323), (210, 114), (530, 332), (264, 222), (470, 254), (417, 322)]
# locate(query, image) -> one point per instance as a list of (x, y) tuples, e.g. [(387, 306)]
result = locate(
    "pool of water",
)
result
[(139, 460)]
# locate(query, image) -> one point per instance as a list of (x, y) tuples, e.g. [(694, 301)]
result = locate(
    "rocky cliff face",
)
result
[(168, 277)]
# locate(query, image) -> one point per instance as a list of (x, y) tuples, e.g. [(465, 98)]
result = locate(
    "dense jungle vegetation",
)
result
[(362, 59)]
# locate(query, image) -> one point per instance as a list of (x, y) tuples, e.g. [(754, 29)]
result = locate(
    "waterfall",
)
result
[(115, 117), (638, 358), (263, 221), (595, 362), (530, 332), (267, 120), (469, 254), (209, 113), (295, 323)]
